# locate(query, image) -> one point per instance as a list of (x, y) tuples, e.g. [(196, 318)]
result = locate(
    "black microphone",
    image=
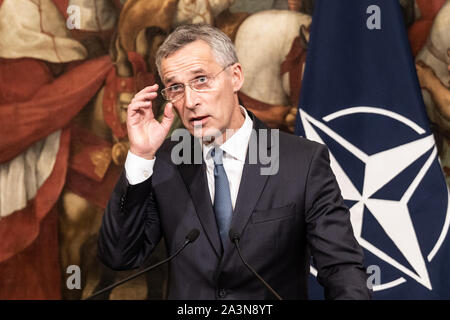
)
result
[(234, 237), (190, 237)]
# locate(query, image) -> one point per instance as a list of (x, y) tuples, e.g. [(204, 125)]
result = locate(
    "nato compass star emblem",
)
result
[(380, 168)]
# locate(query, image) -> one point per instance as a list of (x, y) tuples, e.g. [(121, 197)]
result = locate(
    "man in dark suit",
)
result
[(284, 210)]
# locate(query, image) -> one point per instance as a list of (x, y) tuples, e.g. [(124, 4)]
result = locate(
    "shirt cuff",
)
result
[(138, 169)]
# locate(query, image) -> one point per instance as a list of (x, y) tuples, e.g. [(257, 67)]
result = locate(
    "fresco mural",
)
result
[(69, 68)]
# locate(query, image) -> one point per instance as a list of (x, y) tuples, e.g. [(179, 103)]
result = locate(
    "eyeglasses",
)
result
[(199, 84)]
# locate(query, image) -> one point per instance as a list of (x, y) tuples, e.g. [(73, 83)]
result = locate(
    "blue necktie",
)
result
[(222, 199)]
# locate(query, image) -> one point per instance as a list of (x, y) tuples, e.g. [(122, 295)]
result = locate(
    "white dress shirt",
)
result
[(138, 169)]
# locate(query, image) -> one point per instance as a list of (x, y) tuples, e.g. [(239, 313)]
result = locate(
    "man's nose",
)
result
[(190, 98)]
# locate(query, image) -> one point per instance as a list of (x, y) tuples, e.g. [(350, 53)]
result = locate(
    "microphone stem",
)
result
[(139, 273), (255, 273)]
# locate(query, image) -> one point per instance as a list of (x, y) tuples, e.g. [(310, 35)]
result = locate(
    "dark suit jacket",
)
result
[(283, 220)]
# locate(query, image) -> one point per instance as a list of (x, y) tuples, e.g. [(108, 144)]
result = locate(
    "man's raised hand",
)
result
[(146, 134)]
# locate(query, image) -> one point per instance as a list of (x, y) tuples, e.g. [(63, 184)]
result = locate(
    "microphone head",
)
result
[(234, 235), (192, 235)]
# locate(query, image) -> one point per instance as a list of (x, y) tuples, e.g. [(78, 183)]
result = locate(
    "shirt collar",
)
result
[(236, 145)]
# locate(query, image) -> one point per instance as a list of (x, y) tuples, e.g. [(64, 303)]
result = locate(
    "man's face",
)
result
[(204, 113)]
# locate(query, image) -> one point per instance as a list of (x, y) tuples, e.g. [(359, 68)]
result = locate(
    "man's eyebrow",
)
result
[(167, 80), (195, 71)]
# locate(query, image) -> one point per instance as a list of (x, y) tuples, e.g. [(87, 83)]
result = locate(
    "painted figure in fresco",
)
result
[(432, 64), (36, 104), (199, 11), (73, 84), (273, 78)]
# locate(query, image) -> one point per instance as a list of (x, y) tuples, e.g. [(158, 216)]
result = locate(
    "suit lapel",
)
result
[(194, 176), (252, 182)]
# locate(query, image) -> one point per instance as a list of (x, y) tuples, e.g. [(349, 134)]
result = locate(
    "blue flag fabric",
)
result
[(361, 97)]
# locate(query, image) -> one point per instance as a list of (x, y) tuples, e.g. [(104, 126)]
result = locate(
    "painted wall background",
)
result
[(64, 87)]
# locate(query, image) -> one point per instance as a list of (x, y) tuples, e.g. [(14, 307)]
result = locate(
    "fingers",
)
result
[(169, 116), (145, 96), (148, 89), (137, 105), (141, 103), (140, 107), (148, 93)]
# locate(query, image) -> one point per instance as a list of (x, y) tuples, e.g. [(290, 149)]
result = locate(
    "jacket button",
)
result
[(222, 293), (122, 202)]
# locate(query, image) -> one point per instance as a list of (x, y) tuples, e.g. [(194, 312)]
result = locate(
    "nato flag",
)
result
[(361, 97)]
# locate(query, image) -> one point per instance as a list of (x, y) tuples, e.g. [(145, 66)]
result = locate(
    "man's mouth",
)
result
[(198, 121)]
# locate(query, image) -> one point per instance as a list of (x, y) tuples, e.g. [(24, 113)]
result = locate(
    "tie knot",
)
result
[(217, 156)]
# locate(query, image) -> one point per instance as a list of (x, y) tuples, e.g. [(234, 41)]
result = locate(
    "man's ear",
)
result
[(237, 76)]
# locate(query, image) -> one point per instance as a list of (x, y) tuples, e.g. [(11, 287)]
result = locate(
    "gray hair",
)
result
[(221, 45)]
